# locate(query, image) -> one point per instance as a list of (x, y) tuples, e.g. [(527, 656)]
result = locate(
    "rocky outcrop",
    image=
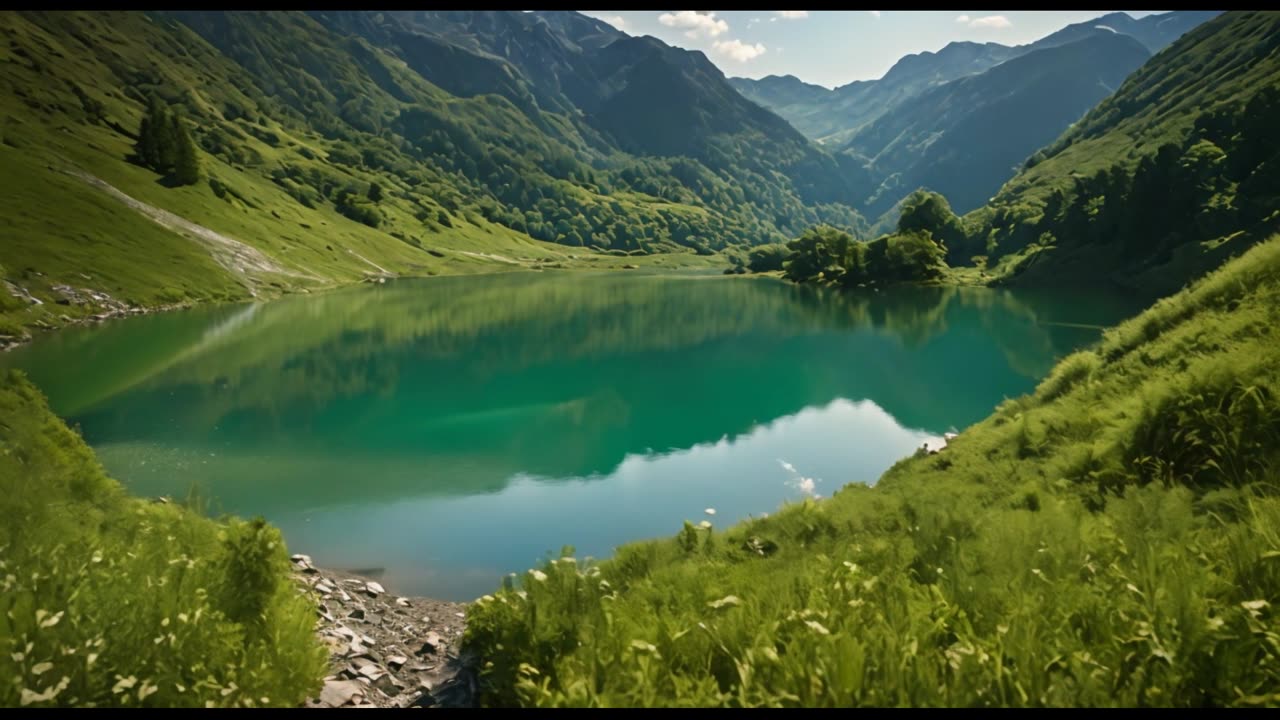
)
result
[(386, 650)]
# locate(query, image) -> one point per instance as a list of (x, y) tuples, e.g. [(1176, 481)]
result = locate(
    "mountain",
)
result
[(829, 115), (966, 137), (340, 144), (833, 116), (1156, 32), (1175, 171), (779, 90)]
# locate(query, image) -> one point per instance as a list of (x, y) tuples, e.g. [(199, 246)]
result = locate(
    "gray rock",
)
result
[(431, 644), (337, 693), (388, 684)]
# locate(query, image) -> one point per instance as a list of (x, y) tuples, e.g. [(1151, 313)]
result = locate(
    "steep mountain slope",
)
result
[(1156, 32), (832, 116), (338, 145), (965, 138), (1177, 170), (645, 97)]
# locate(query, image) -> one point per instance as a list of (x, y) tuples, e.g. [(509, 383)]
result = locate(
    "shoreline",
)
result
[(119, 310), (386, 650)]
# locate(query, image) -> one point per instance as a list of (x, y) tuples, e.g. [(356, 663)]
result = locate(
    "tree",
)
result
[(168, 142), (925, 211), (375, 192), (816, 250), (186, 168), (766, 258), (151, 133)]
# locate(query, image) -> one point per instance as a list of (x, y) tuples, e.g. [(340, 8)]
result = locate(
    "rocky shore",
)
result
[(386, 650), (103, 307)]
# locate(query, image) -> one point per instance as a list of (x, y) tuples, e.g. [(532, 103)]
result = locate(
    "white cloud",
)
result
[(695, 23), (738, 50), (875, 14), (792, 14), (963, 19), (617, 21), (990, 21), (753, 21)]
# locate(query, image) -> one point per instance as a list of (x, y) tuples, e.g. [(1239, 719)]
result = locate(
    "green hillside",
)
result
[(330, 151), (115, 601), (1163, 180), (1110, 540)]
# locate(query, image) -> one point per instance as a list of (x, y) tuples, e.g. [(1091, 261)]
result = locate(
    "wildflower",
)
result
[(710, 511), (817, 627), (41, 668), (726, 601), (124, 683), (46, 620), (145, 690), (705, 525), (538, 575)]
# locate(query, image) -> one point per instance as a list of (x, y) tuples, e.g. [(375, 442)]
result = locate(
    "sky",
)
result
[(835, 47)]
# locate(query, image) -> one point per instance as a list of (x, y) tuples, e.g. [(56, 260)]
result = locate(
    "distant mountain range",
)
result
[(981, 106)]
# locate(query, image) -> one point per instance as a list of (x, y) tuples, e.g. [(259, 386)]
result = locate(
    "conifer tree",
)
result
[(186, 170), (168, 141)]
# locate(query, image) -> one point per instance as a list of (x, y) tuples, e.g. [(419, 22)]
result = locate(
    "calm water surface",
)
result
[(447, 431)]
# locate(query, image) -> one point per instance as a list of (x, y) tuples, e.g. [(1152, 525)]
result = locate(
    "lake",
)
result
[(440, 433)]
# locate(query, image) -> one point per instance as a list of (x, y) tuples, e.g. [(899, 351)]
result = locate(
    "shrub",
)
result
[(112, 601)]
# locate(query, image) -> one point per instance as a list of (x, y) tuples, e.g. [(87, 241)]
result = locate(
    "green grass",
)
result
[(114, 601), (1111, 540)]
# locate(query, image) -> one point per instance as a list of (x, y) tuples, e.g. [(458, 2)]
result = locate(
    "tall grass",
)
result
[(108, 600), (1111, 540)]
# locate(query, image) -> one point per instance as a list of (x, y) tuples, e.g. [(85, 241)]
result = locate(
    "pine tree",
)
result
[(186, 169), (168, 141), (147, 149), (144, 150)]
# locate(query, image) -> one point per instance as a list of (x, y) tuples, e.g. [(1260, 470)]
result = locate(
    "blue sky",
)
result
[(834, 47)]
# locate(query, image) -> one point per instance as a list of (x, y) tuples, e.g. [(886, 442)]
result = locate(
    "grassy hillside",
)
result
[(1111, 539), (113, 601), (1174, 172), (332, 150)]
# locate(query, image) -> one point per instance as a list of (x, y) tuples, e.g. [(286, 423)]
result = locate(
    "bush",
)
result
[(113, 601), (766, 258)]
